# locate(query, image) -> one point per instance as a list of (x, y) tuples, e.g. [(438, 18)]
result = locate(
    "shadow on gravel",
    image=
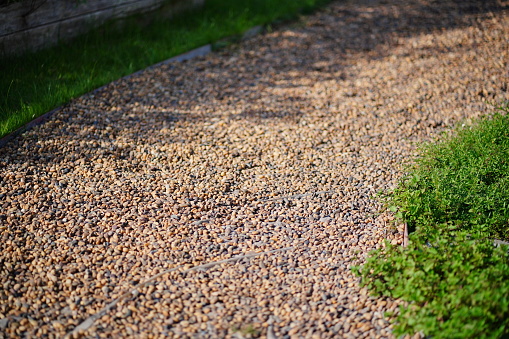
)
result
[(318, 49), (339, 35), (321, 48)]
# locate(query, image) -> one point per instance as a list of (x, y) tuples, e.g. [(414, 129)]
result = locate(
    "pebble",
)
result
[(280, 142)]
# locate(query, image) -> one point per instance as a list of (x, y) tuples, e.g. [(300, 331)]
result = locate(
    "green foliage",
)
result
[(456, 286), (463, 181), (453, 278), (38, 82), (248, 331)]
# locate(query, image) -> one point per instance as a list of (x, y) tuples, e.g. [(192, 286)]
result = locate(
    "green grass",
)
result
[(38, 82), (455, 200)]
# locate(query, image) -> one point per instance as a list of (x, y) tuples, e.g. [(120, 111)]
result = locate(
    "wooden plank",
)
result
[(11, 18), (72, 27), (37, 38), (127, 9), (31, 25), (31, 14)]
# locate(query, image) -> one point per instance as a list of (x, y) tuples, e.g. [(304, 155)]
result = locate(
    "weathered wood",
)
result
[(34, 39), (45, 12), (35, 24)]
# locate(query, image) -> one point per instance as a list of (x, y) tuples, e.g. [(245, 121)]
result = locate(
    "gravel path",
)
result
[(280, 143)]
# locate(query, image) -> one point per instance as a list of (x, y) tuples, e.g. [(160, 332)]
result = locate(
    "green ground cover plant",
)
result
[(463, 181), (455, 199), (35, 83)]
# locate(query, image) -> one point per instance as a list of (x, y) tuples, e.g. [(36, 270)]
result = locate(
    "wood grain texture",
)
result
[(35, 24)]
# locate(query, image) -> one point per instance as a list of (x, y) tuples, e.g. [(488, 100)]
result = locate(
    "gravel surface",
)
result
[(280, 143)]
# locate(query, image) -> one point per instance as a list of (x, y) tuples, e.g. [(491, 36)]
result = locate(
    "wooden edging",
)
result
[(36, 122), (197, 52)]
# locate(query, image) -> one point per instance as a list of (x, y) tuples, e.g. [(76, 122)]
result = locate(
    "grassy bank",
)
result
[(38, 82), (456, 200)]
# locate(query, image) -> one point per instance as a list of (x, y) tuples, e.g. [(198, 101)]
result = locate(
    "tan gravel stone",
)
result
[(282, 141)]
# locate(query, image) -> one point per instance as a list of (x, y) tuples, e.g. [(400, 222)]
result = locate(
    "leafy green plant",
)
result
[(463, 180), (453, 278), (247, 330), (455, 286)]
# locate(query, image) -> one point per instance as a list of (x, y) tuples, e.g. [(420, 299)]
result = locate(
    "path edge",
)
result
[(194, 53)]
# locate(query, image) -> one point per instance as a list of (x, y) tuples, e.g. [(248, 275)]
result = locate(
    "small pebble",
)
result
[(279, 142)]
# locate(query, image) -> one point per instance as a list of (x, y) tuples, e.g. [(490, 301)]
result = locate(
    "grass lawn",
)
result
[(38, 82), (456, 201)]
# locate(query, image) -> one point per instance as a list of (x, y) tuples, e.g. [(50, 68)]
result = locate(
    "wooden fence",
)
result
[(34, 24)]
